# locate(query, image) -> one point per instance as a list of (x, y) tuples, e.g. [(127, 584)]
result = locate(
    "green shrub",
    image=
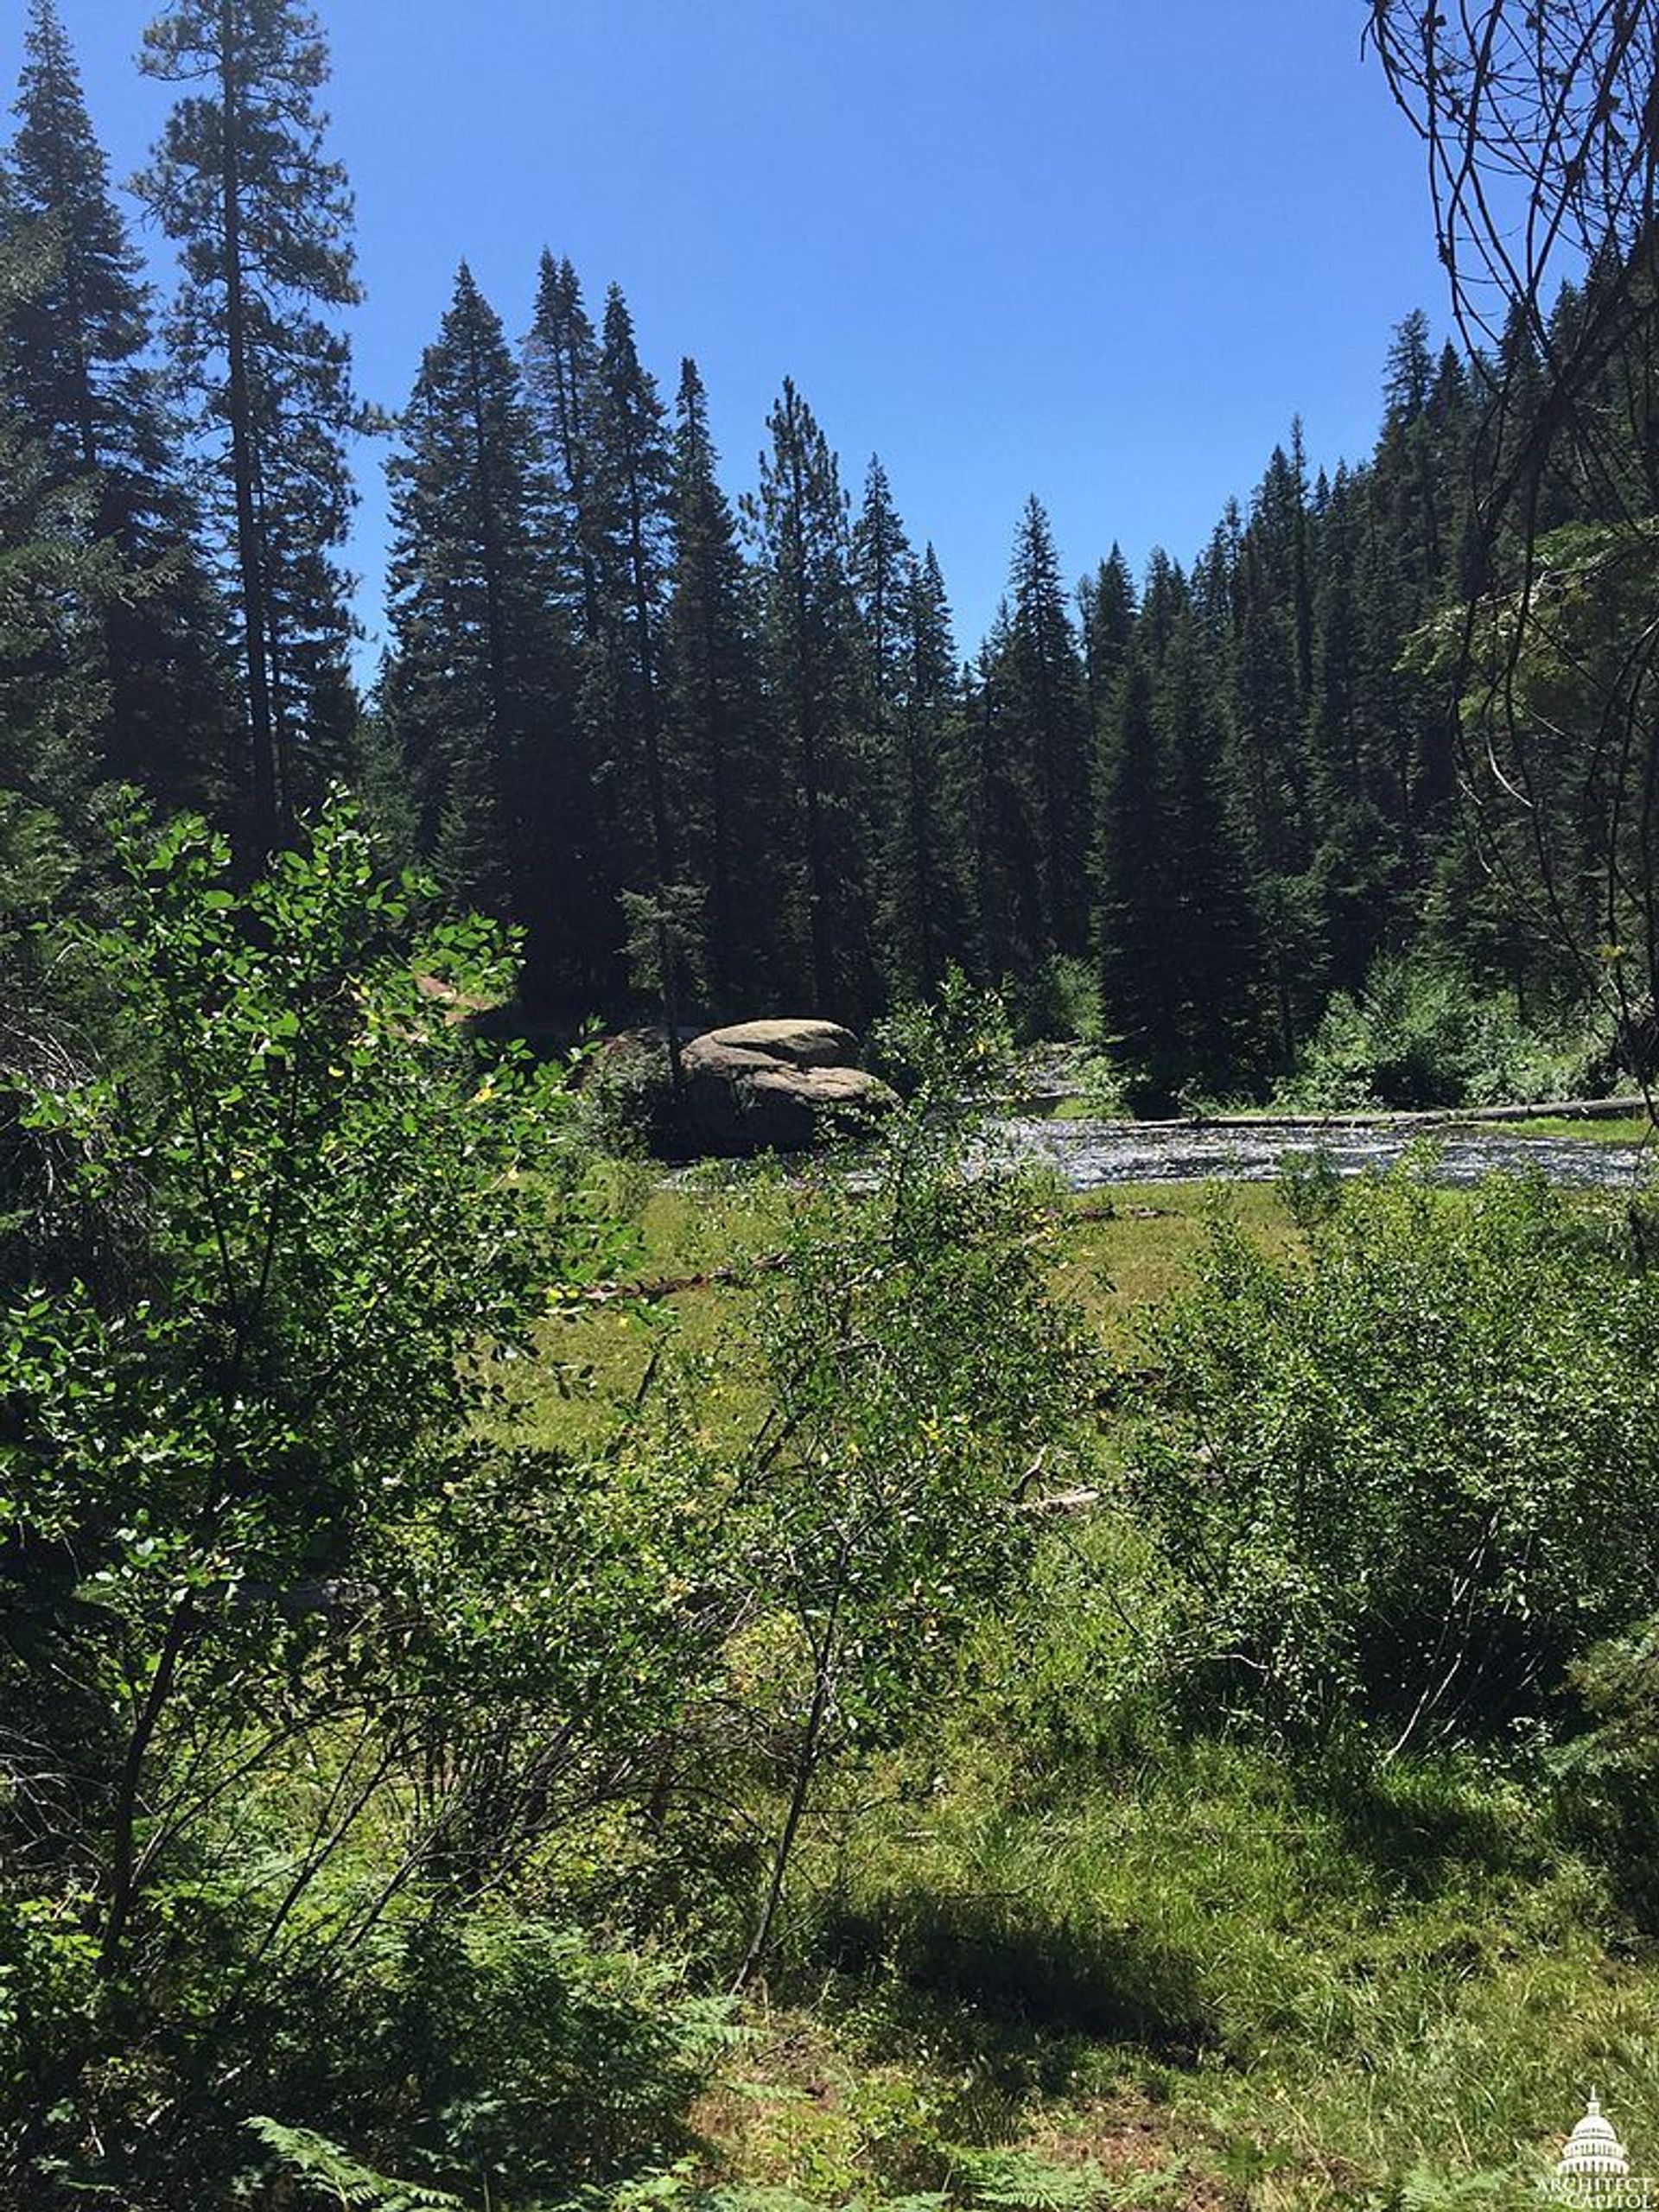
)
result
[(1424, 1035), (1309, 1185), (230, 1461), (919, 1371), (1610, 1766), (503, 2047), (1058, 1002), (1405, 1484)]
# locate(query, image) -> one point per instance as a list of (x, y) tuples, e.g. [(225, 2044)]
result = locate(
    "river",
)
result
[(1089, 1154)]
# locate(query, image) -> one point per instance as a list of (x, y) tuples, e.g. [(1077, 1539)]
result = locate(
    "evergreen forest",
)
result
[(718, 755)]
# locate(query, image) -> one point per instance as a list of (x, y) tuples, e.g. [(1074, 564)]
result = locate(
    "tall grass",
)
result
[(1322, 1986)]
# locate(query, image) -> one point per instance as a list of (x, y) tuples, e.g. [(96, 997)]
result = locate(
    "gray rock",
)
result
[(712, 1058), (800, 1044), (775, 1086)]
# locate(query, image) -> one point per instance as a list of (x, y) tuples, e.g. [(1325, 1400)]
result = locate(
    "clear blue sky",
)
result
[(1101, 249)]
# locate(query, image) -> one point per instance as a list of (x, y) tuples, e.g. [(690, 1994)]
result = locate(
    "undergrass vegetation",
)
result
[(1422, 1033), (1118, 1926)]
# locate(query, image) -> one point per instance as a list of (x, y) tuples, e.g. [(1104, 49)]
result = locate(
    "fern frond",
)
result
[(1018, 2181), (324, 2167)]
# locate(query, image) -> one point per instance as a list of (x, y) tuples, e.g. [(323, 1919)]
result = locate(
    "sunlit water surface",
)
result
[(1089, 1154)]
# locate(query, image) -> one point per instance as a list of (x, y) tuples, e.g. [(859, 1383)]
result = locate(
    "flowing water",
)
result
[(1089, 1154)]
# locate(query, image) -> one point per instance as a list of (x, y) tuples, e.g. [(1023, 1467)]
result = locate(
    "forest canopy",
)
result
[(717, 755)]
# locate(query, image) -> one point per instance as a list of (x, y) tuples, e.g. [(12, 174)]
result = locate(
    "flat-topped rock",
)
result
[(822, 1086), (801, 1043), (775, 1086), (712, 1056)]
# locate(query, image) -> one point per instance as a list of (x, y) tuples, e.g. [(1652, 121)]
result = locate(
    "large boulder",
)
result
[(775, 1086), (800, 1044)]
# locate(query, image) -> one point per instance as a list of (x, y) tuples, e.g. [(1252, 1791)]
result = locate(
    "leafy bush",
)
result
[(1103, 1087), (1422, 1035), (1059, 1002), (511, 2060), (338, 1215), (1405, 1484), (1309, 1185), (919, 1370), (626, 1080), (1611, 1764)]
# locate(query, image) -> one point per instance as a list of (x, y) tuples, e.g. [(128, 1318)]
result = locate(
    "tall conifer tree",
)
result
[(881, 565), (1272, 675), (561, 380), (925, 922), (1007, 843), (739, 823), (631, 494), (1140, 865), (566, 397), (1214, 955), (263, 220), (1358, 853), (478, 690), (1106, 620), (1045, 712), (798, 516), (57, 584), (76, 347)]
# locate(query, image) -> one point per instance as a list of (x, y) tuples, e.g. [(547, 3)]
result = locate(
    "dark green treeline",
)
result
[(714, 757)]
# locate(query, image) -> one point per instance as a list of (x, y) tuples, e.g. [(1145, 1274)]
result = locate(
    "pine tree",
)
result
[(1106, 620), (924, 917), (55, 582), (1139, 869), (1357, 857), (262, 218), (75, 345), (906, 698), (1007, 847), (566, 398), (477, 693), (561, 380), (1214, 956), (1215, 582), (630, 491), (1271, 678), (799, 517), (880, 567), (1177, 941), (1046, 720), (739, 825)]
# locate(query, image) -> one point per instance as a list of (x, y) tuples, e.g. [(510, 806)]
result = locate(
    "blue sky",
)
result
[(1101, 249)]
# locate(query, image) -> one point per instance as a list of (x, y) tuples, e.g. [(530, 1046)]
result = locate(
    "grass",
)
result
[(593, 1356), (1208, 1978), (1167, 1970), (1629, 1129), (1124, 1252), (1129, 1249)]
